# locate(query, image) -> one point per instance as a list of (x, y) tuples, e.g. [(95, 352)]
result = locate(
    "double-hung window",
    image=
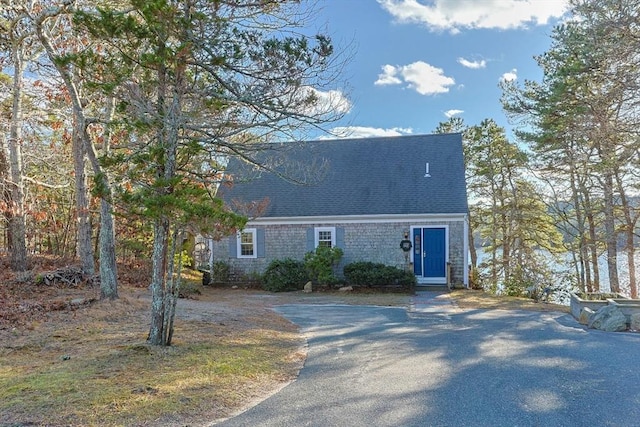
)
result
[(325, 236), (247, 243)]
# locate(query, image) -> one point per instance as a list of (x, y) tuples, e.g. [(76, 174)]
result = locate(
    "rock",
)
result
[(346, 289), (308, 287), (234, 287), (585, 315), (609, 318), (77, 301), (635, 322)]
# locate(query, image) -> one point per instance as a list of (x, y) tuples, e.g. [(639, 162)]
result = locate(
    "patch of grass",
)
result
[(92, 366), (99, 371), (468, 298)]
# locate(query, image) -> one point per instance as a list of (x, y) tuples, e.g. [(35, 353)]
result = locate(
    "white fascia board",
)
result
[(358, 219)]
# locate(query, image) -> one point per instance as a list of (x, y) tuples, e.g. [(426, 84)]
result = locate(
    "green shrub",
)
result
[(517, 283), (284, 275), (221, 272), (320, 263), (406, 279), (373, 275), (361, 273)]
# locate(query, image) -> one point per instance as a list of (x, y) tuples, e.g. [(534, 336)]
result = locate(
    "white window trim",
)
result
[(254, 234), (316, 236)]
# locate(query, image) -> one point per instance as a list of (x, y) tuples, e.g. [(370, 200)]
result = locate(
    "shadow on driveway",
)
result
[(379, 366)]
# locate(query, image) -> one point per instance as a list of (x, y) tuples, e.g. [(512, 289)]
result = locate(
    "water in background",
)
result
[(563, 270)]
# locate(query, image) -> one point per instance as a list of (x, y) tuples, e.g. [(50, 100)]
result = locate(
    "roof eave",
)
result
[(359, 219)]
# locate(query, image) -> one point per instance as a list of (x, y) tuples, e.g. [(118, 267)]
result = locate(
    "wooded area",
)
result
[(129, 110), (117, 119), (564, 191)]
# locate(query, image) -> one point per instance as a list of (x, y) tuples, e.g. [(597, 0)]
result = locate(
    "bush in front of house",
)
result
[(320, 264), (283, 275), (221, 273), (376, 275)]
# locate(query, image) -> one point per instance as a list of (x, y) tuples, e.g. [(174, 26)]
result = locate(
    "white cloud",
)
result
[(366, 132), (447, 15), (472, 64), (509, 76), (332, 100), (419, 76), (388, 76), (451, 113)]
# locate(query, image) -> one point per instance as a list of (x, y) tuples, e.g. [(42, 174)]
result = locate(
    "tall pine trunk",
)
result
[(169, 110), (629, 226), (611, 240), (582, 267), (473, 254), (594, 285), (108, 265), (158, 280)]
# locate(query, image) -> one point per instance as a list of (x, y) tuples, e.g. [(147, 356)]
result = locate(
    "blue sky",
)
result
[(414, 63)]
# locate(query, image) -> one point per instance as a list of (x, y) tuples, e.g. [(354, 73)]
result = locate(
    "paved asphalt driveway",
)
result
[(377, 366)]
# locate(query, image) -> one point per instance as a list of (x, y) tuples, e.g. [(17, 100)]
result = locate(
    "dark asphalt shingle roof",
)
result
[(370, 176)]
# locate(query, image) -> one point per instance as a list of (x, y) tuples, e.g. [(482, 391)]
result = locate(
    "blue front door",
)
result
[(429, 254)]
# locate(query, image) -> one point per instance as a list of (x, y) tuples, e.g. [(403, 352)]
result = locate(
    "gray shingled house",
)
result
[(368, 196)]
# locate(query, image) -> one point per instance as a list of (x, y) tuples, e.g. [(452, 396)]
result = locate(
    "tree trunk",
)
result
[(159, 261), (611, 240), (629, 227), (582, 266), (5, 193), (84, 247), (161, 225), (167, 136), (108, 265), (171, 296), (107, 240), (17, 232), (594, 285), (506, 248), (472, 245)]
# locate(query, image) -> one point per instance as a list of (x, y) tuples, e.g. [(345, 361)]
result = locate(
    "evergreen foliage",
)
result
[(285, 275), (198, 82), (375, 275), (320, 265)]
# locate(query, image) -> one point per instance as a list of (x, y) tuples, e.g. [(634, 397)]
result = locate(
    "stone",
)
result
[(585, 315), (635, 322), (308, 287), (346, 289), (609, 319)]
